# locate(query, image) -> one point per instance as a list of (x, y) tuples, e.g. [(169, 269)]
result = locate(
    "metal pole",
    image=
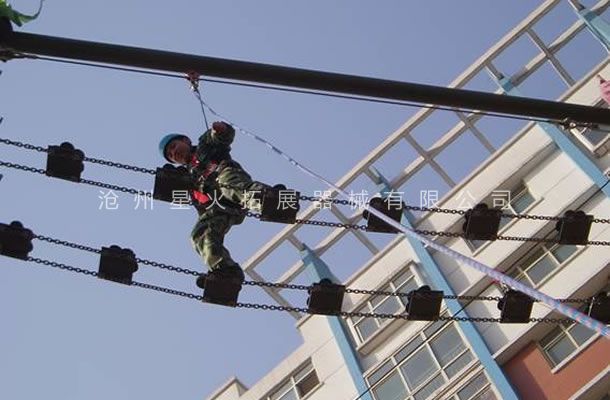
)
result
[(300, 78)]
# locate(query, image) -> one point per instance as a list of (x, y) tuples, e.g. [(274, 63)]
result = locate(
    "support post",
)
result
[(318, 270), (596, 24), (439, 282)]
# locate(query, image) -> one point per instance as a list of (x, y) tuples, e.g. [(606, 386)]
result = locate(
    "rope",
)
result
[(498, 276)]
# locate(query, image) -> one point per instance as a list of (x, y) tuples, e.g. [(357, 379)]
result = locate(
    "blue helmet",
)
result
[(165, 140)]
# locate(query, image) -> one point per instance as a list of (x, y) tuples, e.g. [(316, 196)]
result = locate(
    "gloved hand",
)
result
[(221, 127)]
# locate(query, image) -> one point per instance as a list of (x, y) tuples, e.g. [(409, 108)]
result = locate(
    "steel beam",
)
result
[(72, 49)]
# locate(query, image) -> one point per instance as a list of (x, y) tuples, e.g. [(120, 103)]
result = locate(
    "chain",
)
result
[(115, 187), (316, 222), (330, 224), (532, 217), (601, 220), (598, 243), (277, 285), (107, 163), (85, 181), (422, 294), (576, 301), (551, 320), (120, 165), (65, 267), (22, 167), (273, 307), (67, 244), (316, 199), (427, 232), (24, 145), (524, 239), (168, 267), (435, 233), (435, 210), (167, 290)]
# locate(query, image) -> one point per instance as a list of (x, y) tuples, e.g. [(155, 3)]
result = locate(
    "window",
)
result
[(422, 366), (478, 388), (297, 386), (519, 201), (541, 262), (564, 340), (404, 282), (516, 202)]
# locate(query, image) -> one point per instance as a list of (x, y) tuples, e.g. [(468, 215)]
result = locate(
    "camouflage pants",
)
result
[(215, 222)]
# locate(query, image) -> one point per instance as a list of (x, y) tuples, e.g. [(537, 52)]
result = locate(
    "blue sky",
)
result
[(70, 337)]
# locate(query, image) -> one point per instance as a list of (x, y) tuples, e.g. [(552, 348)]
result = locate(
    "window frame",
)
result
[(486, 386), (425, 342), (409, 267), (291, 379), (564, 332), (547, 251), (521, 188)]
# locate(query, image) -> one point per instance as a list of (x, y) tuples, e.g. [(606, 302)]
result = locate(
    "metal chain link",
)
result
[(115, 187), (422, 294), (120, 165), (440, 234), (85, 181), (92, 160), (167, 290), (24, 145), (273, 307), (532, 217), (598, 243), (67, 244), (427, 232), (576, 301), (168, 267), (315, 199), (22, 167), (277, 285), (525, 239), (435, 210), (330, 224), (549, 320), (65, 267)]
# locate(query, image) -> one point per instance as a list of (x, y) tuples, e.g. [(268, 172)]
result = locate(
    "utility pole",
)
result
[(27, 43)]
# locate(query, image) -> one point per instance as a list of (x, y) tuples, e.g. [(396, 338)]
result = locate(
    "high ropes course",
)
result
[(119, 264)]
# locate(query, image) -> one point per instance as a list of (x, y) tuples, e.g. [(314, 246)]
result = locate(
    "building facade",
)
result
[(523, 167)]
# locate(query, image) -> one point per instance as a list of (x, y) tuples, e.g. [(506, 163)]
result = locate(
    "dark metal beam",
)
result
[(299, 78)]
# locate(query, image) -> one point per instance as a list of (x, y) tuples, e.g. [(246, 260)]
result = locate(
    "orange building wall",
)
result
[(531, 376)]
